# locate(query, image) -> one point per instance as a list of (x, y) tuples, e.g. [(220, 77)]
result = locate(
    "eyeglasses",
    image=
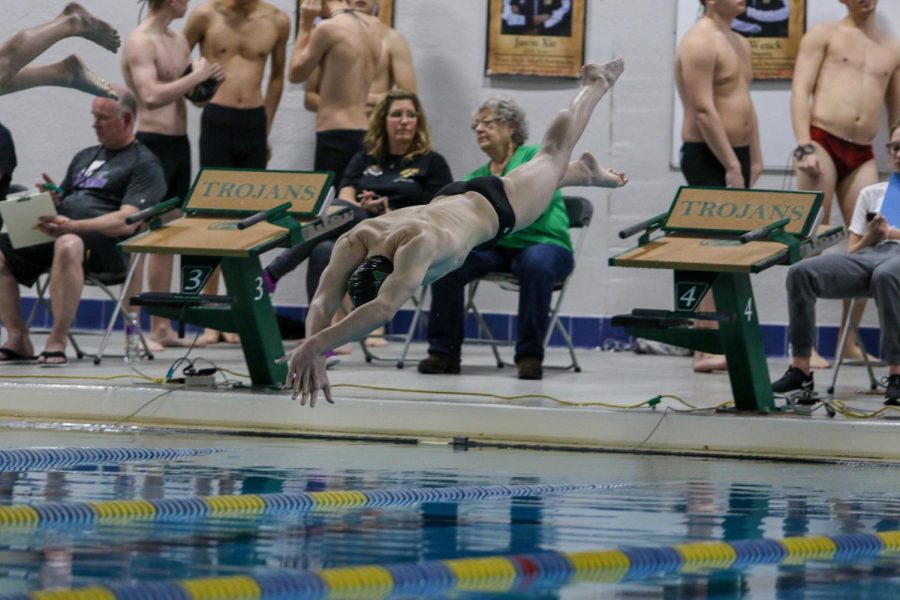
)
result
[(399, 114), (893, 147), (486, 122)]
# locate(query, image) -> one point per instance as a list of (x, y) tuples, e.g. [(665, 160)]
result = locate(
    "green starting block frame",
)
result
[(230, 218), (713, 239)]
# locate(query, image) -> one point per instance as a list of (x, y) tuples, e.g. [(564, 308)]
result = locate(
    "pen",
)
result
[(49, 187)]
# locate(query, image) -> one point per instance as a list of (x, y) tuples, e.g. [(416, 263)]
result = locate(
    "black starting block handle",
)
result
[(654, 223), (764, 232), (264, 215), (648, 322), (669, 314), (179, 300), (154, 211)]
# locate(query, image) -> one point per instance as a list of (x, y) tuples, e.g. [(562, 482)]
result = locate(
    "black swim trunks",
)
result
[(701, 167), (492, 189), (174, 154)]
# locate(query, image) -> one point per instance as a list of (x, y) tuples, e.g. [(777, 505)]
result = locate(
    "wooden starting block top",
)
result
[(214, 236), (723, 255), (735, 211), (244, 191), (701, 231), (203, 236)]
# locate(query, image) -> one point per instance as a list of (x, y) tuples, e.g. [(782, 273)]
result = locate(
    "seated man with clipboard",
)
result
[(103, 185), (872, 266)]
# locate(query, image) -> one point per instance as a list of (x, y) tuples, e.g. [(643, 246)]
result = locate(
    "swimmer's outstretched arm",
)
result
[(306, 372)]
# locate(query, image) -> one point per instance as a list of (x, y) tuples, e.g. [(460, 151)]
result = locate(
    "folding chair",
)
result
[(846, 327), (103, 282), (580, 211), (418, 303)]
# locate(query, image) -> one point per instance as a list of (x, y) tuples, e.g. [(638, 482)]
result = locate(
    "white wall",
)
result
[(631, 130)]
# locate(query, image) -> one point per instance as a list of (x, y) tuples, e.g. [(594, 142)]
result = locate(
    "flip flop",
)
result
[(10, 356), (47, 354)]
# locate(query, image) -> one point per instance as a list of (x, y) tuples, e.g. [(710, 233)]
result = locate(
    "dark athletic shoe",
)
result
[(795, 384), (529, 367), (439, 364), (892, 393)]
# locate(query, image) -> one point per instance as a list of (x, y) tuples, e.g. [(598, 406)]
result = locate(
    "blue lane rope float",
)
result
[(199, 507), (33, 459), (493, 573)]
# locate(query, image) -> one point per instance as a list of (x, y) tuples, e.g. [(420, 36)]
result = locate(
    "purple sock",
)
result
[(269, 282)]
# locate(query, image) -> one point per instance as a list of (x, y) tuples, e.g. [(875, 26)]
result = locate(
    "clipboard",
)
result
[(20, 214)]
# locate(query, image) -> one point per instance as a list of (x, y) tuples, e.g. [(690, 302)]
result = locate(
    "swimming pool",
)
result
[(422, 508)]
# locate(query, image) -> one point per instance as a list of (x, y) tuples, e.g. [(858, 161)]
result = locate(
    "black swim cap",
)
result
[(365, 281), (203, 91)]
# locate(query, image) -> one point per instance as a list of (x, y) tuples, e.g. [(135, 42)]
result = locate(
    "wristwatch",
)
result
[(804, 149)]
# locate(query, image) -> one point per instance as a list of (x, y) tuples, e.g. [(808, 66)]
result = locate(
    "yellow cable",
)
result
[(87, 377)]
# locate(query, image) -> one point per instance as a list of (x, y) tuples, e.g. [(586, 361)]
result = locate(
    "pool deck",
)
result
[(378, 400)]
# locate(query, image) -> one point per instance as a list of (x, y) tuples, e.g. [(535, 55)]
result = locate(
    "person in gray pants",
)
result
[(872, 267)]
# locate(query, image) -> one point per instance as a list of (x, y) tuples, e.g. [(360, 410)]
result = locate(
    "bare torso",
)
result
[(384, 79), (348, 70), (451, 225), (853, 80), (171, 55), (241, 44), (731, 83)]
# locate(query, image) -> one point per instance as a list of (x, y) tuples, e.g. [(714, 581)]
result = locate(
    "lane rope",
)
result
[(497, 574), (200, 507)]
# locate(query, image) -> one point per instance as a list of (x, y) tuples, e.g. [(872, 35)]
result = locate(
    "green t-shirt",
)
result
[(552, 227)]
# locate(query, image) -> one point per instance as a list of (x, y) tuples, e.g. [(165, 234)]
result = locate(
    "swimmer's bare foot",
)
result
[(707, 363), (854, 354), (586, 171), (376, 339), (604, 75), (210, 337), (91, 28), (344, 350), (169, 339), (816, 361), (81, 78)]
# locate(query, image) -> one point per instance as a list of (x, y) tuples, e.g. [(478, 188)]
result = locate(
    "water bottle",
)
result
[(132, 338)]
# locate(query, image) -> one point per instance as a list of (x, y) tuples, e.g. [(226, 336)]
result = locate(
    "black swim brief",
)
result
[(492, 189)]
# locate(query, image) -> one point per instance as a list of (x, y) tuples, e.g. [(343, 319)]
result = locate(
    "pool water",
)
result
[(633, 501)]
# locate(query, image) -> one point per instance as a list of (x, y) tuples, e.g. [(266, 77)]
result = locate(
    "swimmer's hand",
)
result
[(306, 373), (310, 10), (809, 164), (734, 178)]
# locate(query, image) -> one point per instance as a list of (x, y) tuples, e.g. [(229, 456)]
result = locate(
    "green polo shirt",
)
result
[(552, 227)]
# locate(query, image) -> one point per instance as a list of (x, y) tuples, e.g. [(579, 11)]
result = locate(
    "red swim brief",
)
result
[(847, 156)]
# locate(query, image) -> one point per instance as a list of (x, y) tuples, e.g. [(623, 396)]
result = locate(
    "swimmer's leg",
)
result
[(26, 45), (69, 72), (531, 186), (586, 171)]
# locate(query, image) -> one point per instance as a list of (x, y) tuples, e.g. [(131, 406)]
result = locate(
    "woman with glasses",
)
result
[(399, 168), (539, 255)]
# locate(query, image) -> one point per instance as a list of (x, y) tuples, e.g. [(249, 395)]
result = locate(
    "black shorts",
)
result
[(233, 137), (100, 257), (701, 167), (492, 189), (335, 148), (174, 154)]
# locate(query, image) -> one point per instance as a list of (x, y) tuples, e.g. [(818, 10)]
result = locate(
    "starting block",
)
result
[(714, 239), (230, 218)]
